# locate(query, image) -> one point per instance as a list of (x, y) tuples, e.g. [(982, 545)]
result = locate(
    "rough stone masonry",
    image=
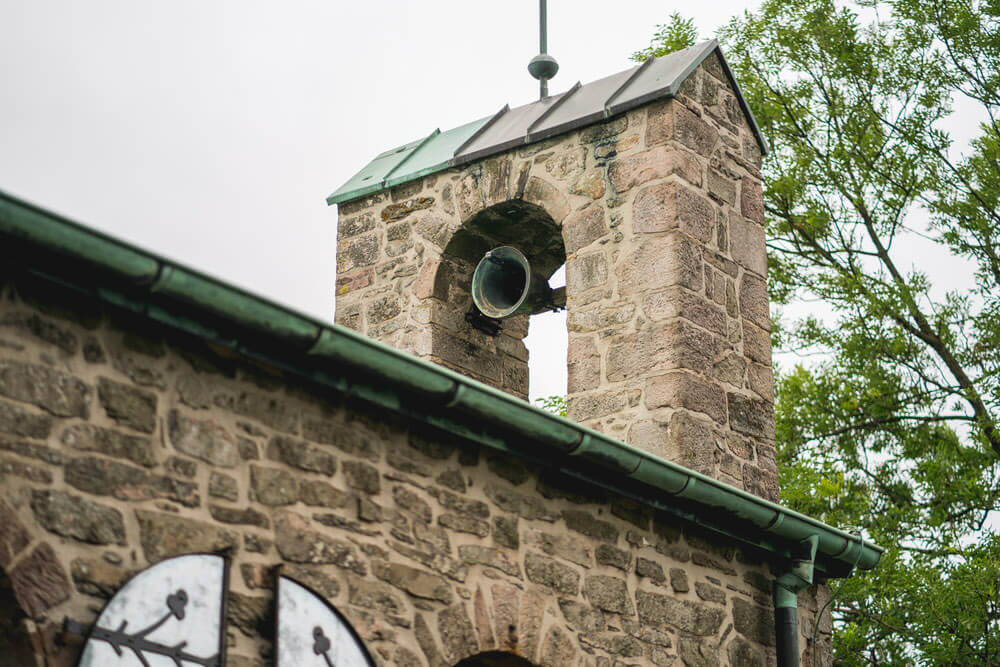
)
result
[(658, 216)]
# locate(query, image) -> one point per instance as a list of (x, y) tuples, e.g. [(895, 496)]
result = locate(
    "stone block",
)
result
[(585, 524), (398, 211), (55, 392), (584, 364), (747, 244), (505, 532), (685, 439), (354, 225), (567, 164), (39, 581), (677, 344), (362, 476), (272, 486), (203, 439), (551, 573), (298, 543), (754, 622), (679, 580), (752, 199), (744, 654), (497, 559), (590, 406), (756, 343), (760, 482), (243, 516), (650, 569), (222, 486), (165, 535), (15, 420), (97, 577), (608, 593), (357, 253), (585, 272), (320, 494), (562, 545), (590, 184), (458, 636), (678, 302), (613, 557), (127, 405), (710, 593), (32, 325), (697, 654), (731, 369), (760, 379), (680, 389), (300, 454), (721, 187), (662, 611), (542, 193), (414, 581), (350, 282), (383, 308), (753, 301), (655, 163), (71, 516), (558, 649), (583, 227), (658, 262), (673, 205), (90, 438), (752, 416), (111, 478), (466, 355)]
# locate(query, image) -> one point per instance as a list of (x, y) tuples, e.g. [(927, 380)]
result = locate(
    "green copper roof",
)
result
[(334, 360), (580, 106)]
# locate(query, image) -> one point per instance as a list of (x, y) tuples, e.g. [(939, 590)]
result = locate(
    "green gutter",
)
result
[(59, 250)]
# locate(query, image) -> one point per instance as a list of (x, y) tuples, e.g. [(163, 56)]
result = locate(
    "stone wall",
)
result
[(119, 447), (658, 215)]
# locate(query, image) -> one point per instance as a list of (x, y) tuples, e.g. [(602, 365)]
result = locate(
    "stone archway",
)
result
[(502, 360)]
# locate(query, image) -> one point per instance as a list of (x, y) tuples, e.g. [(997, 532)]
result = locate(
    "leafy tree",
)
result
[(890, 422), (554, 404), (678, 33)]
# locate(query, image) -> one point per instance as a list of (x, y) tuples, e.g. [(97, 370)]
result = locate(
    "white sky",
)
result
[(211, 131)]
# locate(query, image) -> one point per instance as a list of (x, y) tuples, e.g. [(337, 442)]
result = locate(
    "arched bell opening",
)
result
[(495, 659), (462, 337)]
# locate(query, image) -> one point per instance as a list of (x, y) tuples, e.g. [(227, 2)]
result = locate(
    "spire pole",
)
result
[(543, 66)]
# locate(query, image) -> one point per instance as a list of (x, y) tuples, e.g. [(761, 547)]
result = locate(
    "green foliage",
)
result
[(678, 33), (889, 424), (554, 404)]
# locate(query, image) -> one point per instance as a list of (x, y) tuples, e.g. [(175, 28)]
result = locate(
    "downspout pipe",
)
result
[(798, 576)]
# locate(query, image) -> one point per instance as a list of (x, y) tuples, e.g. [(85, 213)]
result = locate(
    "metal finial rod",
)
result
[(543, 27), (543, 66)]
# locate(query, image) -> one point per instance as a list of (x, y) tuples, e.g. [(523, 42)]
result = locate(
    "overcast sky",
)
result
[(211, 131)]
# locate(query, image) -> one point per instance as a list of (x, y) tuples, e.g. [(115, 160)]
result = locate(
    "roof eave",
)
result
[(58, 250)]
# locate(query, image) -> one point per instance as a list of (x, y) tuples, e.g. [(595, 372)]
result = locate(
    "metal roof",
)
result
[(580, 106), (339, 361)]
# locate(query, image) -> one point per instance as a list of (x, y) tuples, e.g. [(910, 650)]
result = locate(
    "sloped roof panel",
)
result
[(582, 105)]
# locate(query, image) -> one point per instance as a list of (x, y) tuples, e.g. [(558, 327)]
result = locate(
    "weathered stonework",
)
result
[(433, 548), (658, 215)]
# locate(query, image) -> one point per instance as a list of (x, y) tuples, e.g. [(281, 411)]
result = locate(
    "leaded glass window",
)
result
[(168, 615)]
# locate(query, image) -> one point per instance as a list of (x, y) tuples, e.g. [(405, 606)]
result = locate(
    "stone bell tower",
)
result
[(646, 184)]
